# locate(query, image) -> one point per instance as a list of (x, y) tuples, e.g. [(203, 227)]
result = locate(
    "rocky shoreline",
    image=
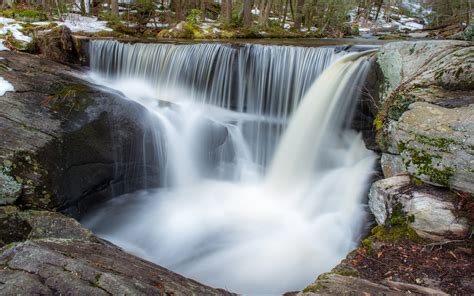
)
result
[(66, 145)]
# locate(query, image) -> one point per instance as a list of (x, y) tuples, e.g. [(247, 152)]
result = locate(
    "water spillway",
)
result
[(263, 181)]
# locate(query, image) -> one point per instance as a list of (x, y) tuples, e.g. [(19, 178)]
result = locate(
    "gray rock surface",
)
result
[(427, 114), (78, 267), (437, 144), (67, 142), (392, 165), (334, 284), (10, 189), (433, 209)]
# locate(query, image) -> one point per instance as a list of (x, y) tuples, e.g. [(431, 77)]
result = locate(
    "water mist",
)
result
[(236, 213)]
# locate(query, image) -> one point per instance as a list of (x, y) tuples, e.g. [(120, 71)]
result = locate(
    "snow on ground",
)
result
[(2, 47), (256, 11), (75, 22), (11, 26), (79, 23), (5, 86)]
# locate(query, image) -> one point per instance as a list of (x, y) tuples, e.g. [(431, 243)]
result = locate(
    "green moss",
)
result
[(399, 105), (378, 121), (395, 233), (9, 246), (70, 97), (314, 288), (441, 143), (347, 272), (367, 243), (423, 162), (415, 181), (30, 15)]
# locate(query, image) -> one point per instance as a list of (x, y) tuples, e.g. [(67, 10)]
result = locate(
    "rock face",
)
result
[(433, 210), (437, 144), (66, 143), (59, 256), (427, 115), (392, 165)]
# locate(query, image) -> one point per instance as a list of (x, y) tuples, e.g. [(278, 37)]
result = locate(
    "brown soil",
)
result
[(447, 266)]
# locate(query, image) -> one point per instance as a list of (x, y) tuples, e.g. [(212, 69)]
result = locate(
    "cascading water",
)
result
[(224, 219), (264, 81)]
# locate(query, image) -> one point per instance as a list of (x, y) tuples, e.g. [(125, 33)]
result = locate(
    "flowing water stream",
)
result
[(262, 180)]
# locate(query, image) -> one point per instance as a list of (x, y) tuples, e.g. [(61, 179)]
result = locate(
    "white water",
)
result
[(225, 222)]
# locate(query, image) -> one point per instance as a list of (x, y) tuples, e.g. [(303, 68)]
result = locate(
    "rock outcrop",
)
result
[(433, 211), (424, 209), (51, 254), (427, 115), (66, 143)]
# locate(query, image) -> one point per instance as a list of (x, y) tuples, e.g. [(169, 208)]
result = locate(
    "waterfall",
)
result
[(265, 81), (222, 219)]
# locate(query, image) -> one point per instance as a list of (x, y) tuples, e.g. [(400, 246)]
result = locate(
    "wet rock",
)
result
[(433, 210), (22, 225), (77, 267), (67, 142)]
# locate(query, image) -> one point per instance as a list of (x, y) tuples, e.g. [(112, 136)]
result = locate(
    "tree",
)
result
[(247, 13), (299, 13), (114, 6)]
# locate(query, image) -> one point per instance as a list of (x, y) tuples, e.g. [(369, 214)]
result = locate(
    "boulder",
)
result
[(78, 267), (68, 142), (437, 144), (426, 115), (433, 211)]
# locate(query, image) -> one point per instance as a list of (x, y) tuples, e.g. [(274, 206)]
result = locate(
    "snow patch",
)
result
[(9, 25), (5, 86), (79, 23), (2, 47)]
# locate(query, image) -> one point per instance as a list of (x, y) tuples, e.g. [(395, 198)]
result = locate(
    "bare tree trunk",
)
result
[(226, 10), (203, 8), (114, 7), (247, 11), (378, 10), (285, 11), (229, 10), (178, 10), (299, 13)]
